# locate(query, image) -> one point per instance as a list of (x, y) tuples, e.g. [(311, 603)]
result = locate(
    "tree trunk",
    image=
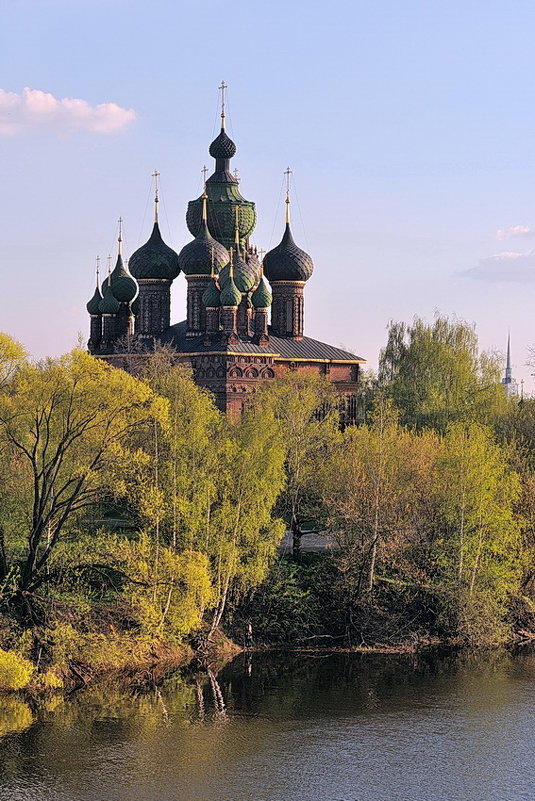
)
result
[(3, 557), (297, 534)]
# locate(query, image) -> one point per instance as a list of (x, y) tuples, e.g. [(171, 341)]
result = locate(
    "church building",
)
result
[(245, 316)]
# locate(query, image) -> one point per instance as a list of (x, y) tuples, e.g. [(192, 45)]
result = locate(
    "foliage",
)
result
[(64, 429), (15, 671), (437, 376), (305, 410)]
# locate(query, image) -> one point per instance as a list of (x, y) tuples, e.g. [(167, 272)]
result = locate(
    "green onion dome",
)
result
[(211, 297), (287, 262), (230, 294), (223, 198), (253, 263), (109, 303), (195, 258), (262, 296), (244, 276), (154, 259), (94, 304), (125, 286)]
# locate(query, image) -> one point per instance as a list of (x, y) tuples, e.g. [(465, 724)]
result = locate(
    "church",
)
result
[(245, 315)]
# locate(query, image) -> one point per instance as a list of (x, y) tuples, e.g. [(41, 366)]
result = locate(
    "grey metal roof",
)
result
[(294, 350)]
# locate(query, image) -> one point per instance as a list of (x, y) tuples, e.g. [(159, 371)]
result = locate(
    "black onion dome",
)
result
[(124, 285), (93, 305), (287, 262), (195, 258), (222, 147), (109, 303), (154, 259)]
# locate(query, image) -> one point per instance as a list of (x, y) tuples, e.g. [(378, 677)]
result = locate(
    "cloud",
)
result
[(514, 231), (507, 266), (36, 109)]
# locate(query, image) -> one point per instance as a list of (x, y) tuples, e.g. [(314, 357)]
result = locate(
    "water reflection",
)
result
[(282, 727)]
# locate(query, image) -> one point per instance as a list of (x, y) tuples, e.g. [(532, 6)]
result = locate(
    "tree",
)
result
[(477, 547), (65, 427), (437, 376), (305, 410), (243, 534), (365, 481)]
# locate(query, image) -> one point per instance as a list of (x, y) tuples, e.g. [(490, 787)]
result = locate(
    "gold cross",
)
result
[(222, 88)]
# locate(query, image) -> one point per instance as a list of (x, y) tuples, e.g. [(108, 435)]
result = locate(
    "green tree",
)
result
[(477, 548), (305, 410), (65, 427), (437, 376)]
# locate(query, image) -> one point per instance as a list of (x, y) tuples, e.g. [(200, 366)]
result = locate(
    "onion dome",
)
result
[(222, 147), (287, 262), (253, 263), (204, 254), (125, 287), (244, 276), (262, 296), (109, 303), (230, 294), (154, 259), (135, 306), (211, 297), (223, 196), (93, 305)]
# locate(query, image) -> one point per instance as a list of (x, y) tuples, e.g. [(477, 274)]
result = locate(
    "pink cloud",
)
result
[(35, 109), (514, 231)]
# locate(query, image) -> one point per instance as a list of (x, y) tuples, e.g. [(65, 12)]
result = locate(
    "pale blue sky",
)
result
[(410, 128)]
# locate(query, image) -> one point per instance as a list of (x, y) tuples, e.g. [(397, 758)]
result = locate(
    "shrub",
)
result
[(15, 671)]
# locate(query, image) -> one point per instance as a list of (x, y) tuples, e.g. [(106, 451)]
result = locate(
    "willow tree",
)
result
[(244, 534), (437, 376), (366, 484), (65, 431), (476, 553)]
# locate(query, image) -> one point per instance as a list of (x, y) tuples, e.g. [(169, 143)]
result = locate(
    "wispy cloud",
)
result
[(507, 266), (515, 231), (36, 109)]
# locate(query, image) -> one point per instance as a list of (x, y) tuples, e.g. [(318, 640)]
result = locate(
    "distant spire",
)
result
[(212, 259), (222, 88), (231, 264), (511, 386), (98, 271), (287, 173), (109, 268), (204, 174), (204, 199), (156, 176), (120, 237)]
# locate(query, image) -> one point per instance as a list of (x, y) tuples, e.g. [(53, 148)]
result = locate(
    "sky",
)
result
[(409, 128)]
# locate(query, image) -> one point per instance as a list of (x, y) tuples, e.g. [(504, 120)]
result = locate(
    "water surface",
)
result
[(274, 727)]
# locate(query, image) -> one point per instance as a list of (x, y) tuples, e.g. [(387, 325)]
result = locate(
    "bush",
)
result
[(15, 671)]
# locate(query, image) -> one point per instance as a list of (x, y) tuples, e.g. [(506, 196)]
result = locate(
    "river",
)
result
[(286, 727)]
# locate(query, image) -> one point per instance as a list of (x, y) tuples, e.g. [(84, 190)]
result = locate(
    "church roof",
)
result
[(306, 349)]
